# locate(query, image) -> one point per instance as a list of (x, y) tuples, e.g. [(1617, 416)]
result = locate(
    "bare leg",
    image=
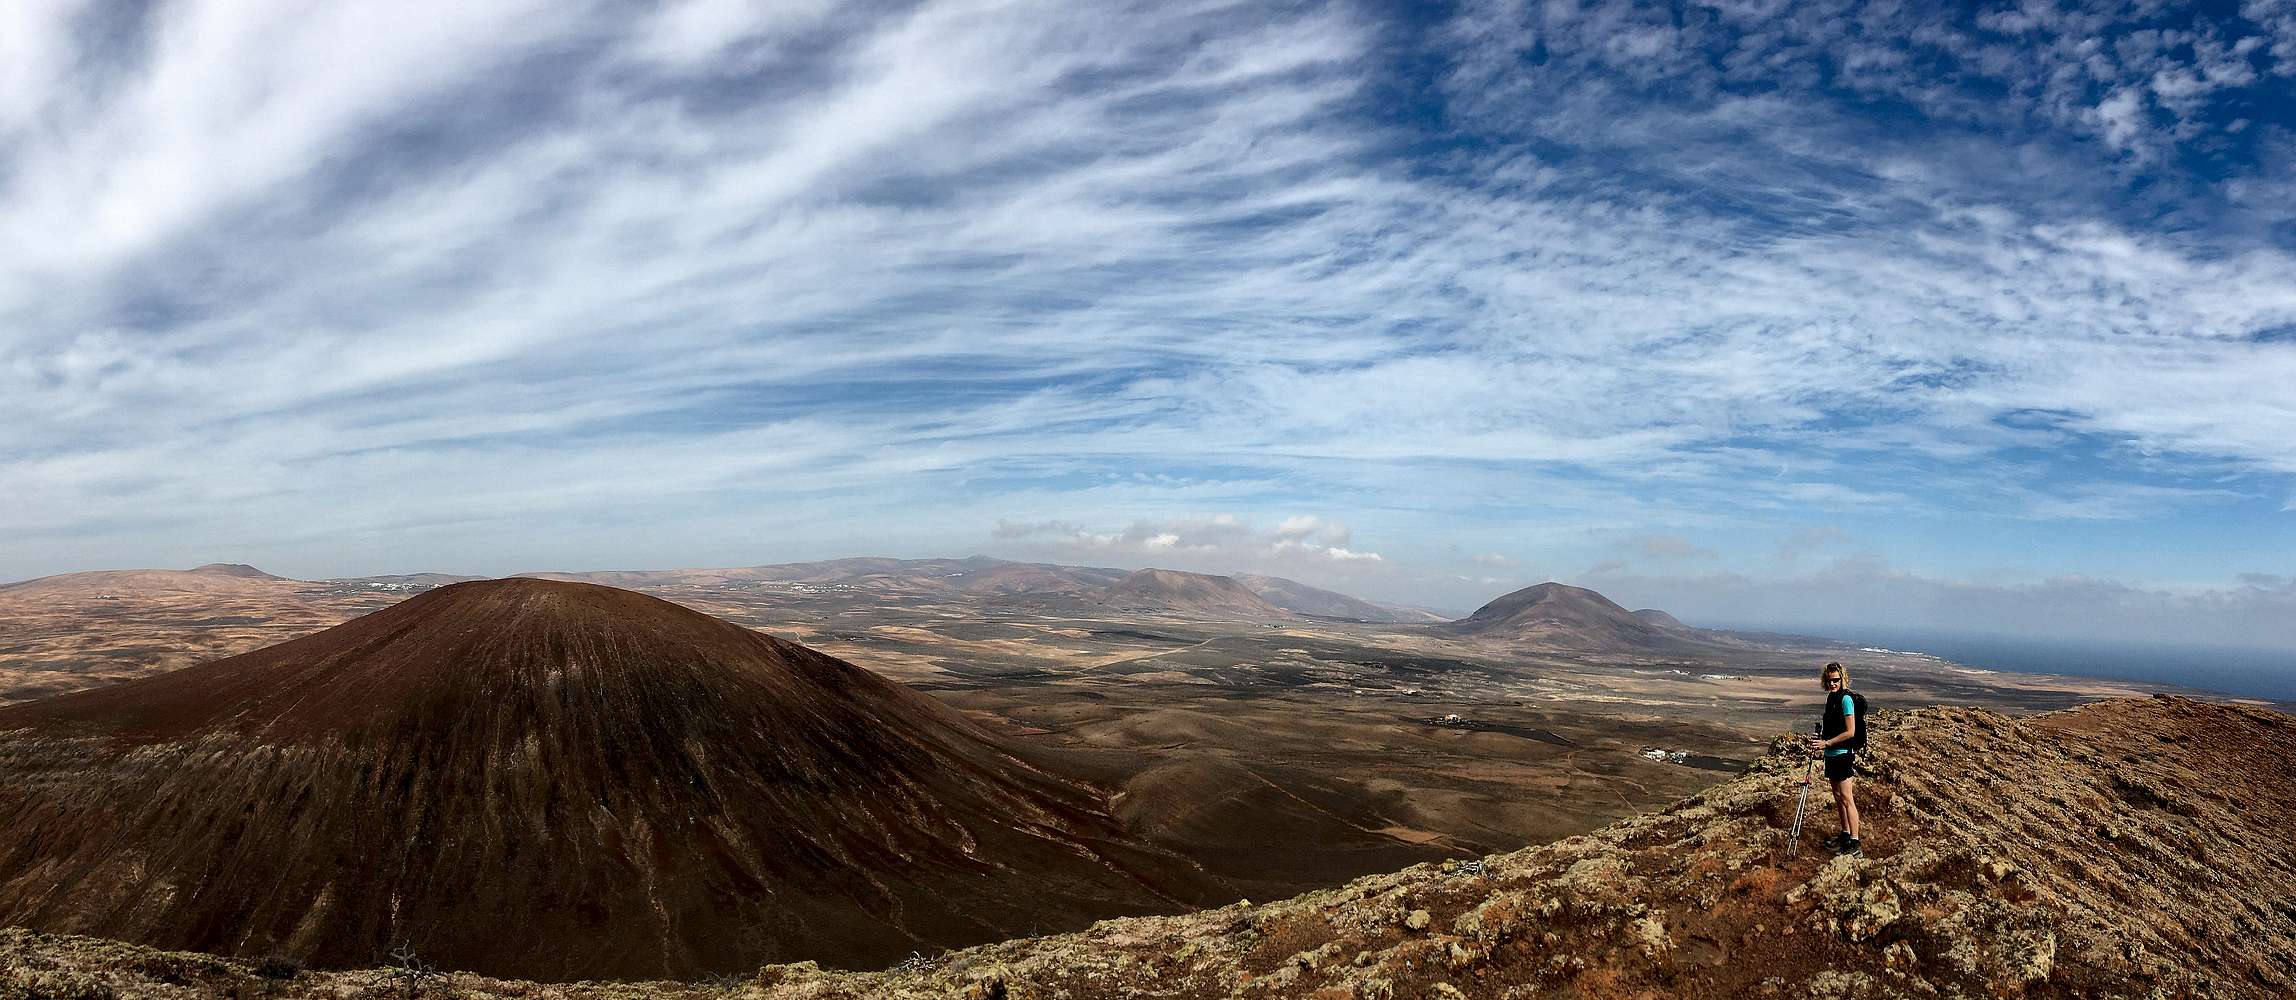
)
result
[(1846, 805)]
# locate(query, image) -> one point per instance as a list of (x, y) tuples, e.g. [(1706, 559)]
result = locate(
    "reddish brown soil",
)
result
[(547, 780)]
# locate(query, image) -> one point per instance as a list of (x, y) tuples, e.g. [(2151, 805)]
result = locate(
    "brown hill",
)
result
[(984, 576), (240, 570), (551, 780), (218, 579), (1659, 618), (1197, 595), (2132, 848), (1559, 615), (1299, 598)]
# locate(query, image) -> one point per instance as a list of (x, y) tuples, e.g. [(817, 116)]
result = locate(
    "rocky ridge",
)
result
[(2128, 848)]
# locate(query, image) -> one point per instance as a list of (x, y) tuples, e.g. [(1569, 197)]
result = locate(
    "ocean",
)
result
[(2233, 670)]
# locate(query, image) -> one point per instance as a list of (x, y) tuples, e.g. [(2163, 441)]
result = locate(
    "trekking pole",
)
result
[(1801, 806)]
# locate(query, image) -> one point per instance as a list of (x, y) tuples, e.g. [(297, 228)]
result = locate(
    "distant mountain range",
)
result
[(978, 576), (1163, 591), (1549, 613)]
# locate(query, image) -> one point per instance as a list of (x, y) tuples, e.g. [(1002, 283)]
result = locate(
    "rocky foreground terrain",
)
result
[(2127, 848)]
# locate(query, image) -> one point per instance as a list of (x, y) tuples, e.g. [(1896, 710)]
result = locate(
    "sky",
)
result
[(1901, 314)]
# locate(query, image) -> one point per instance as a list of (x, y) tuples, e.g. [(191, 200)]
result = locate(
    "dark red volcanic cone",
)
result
[(546, 780)]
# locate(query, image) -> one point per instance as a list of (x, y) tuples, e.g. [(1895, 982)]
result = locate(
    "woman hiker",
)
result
[(1841, 727)]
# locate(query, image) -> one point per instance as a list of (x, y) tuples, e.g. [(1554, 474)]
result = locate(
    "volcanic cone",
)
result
[(546, 780), (1568, 616)]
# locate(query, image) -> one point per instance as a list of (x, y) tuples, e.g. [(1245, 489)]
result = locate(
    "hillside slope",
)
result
[(211, 579), (1299, 598), (1174, 592), (2105, 851), (1659, 618), (547, 779)]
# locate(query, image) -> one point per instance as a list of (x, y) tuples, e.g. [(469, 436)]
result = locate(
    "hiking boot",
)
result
[(1850, 846), (1835, 842)]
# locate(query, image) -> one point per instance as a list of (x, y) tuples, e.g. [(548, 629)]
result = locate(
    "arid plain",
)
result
[(1283, 747)]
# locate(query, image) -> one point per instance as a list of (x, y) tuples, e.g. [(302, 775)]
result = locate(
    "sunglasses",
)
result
[(1830, 680)]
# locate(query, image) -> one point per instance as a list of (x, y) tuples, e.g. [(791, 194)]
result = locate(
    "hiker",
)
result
[(1838, 740)]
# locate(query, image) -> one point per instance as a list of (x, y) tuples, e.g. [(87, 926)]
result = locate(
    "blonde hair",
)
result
[(1836, 668)]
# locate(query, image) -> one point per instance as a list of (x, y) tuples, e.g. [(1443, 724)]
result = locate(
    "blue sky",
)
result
[(1894, 313)]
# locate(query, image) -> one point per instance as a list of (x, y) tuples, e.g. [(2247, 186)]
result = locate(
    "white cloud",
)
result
[(886, 273), (1671, 548), (233, 100), (696, 33), (2120, 118), (1224, 542)]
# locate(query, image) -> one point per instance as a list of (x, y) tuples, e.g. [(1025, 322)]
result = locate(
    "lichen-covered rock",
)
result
[(1899, 958), (1650, 934), (1832, 985)]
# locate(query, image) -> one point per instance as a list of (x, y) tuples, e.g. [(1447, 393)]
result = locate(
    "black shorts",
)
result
[(1842, 766)]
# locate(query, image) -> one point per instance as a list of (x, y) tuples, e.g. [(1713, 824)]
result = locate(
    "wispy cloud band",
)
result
[(839, 268)]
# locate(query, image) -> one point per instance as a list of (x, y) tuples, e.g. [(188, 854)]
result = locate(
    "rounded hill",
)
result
[(211, 580), (240, 570), (1563, 615), (1661, 618), (546, 779)]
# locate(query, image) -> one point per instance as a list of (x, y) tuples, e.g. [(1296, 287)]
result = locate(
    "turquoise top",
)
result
[(1849, 709)]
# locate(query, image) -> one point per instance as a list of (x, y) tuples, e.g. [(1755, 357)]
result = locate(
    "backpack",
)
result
[(1864, 717)]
